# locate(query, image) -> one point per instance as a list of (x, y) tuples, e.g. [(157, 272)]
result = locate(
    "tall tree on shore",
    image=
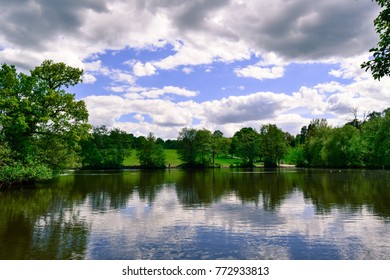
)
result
[(246, 145), (195, 147), (40, 121), (273, 144)]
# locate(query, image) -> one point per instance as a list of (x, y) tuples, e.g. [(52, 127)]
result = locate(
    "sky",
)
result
[(161, 65)]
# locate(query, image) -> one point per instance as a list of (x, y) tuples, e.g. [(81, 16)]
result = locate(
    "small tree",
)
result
[(273, 144), (246, 145), (106, 148), (194, 147), (186, 146), (151, 154)]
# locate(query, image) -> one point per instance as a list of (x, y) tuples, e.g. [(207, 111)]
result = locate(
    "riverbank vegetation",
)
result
[(44, 130), (41, 124)]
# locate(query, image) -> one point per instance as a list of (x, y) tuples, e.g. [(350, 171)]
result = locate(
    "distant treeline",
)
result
[(358, 143)]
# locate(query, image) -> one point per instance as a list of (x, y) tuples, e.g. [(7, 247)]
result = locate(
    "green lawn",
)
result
[(224, 161), (172, 158)]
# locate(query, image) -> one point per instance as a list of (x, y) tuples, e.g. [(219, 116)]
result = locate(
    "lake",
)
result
[(286, 213)]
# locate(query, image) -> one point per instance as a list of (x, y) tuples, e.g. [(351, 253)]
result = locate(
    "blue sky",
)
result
[(161, 65)]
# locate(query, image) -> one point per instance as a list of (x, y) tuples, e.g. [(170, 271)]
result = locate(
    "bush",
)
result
[(18, 173)]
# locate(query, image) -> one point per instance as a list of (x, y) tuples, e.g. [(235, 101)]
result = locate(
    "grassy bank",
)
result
[(173, 159)]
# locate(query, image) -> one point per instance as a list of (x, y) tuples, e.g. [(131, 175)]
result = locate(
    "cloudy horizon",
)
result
[(158, 65)]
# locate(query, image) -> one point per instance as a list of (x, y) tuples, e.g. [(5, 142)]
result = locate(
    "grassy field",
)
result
[(173, 159)]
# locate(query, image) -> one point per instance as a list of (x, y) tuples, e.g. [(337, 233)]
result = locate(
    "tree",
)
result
[(316, 137), (186, 146), (151, 154), (219, 145), (273, 144), (106, 148), (376, 134), (246, 143), (40, 122), (194, 147), (344, 147), (380, 63), (203, 147)]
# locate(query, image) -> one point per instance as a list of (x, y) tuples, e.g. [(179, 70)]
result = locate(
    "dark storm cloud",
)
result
[(295, 29), (309, 30), (32, 24)]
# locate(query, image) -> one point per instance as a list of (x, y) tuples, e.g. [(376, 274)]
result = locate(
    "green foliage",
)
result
[(40, 122), (195, 147), (380, 63), (187, 146), (317, 135), (273, 144), (246, 145), (105, 148), (376, 134), (18, 173), (151, 154), (5, 155), (295, 156), (219, 145), (363, 145), (344, 147), (203, 147)]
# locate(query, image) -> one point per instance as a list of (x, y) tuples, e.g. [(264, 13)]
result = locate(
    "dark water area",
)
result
[(286, 213)]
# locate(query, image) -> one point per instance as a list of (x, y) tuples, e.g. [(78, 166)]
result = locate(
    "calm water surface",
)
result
[(210, 214)]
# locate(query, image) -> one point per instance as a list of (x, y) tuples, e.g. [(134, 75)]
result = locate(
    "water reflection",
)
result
[(208, 214)]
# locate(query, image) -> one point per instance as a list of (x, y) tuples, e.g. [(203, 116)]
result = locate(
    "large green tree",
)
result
[(246, 145), (318, 133), (344, 147), (195, 147), (273, 144), (380, 62), (40, 122)]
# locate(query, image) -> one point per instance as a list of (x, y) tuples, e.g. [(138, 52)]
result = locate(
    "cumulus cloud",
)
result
[(155, 93), (89, 78), (226, 114), (141, 69), (208, 30), (260, 73), (201, 32)]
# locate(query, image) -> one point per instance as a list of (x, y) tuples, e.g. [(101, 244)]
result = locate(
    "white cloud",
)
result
[(187, 70), (89, 78), (121, 76), (147, 69), (209, 33), (139, 118), (310, 99), (155, 93), (260, 73)]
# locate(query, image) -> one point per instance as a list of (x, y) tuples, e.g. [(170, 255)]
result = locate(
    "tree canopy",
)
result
[(151, 153), (40, 123), (380, 62)]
